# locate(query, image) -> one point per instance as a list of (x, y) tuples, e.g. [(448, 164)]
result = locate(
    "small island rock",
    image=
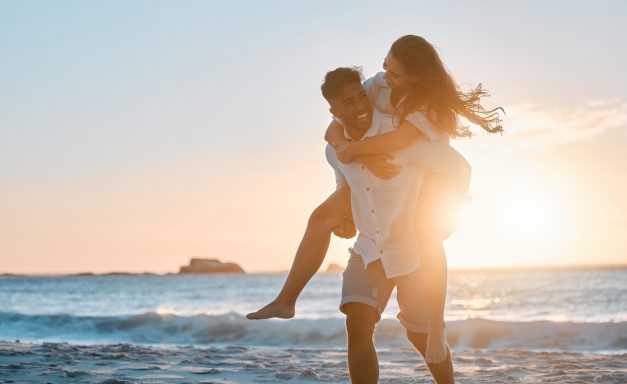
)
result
[(210, 266), (335, 268)]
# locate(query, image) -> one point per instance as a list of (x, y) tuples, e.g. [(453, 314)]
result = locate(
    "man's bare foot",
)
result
[(436, 346), (274, 309)]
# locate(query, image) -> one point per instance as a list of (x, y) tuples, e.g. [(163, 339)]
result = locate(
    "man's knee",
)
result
[(360, 322)]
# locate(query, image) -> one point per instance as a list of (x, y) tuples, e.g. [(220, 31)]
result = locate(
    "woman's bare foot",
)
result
[(436, 345), (274, 309)]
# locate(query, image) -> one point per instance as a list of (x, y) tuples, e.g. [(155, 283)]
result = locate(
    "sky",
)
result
[(136, 135)]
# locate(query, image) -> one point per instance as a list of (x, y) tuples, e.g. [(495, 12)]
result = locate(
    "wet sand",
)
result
[(128, 363)]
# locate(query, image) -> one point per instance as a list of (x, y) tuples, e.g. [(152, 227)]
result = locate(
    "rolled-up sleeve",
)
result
[(438, 156), (435, 153), (421, 122)]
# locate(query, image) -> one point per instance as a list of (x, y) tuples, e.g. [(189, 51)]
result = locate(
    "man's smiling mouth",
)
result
[(363, 117)]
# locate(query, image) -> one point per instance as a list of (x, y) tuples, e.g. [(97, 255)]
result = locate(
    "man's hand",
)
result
[(346, 229), (380, 165)]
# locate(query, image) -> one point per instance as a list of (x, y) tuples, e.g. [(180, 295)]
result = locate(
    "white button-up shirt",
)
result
[(384, 210)]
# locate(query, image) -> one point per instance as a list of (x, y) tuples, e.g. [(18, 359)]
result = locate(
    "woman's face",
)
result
[(395, 74)]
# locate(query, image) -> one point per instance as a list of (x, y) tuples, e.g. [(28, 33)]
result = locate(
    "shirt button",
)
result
[(378, 232), (372, 211), (362, 167), (381, 252)]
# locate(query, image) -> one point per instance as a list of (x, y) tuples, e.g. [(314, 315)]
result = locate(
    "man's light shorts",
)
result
[(372, 287)]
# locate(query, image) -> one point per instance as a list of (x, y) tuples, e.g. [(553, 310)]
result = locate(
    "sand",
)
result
[(128, 363)]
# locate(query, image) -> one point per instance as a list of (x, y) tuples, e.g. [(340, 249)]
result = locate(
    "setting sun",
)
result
[(513, 222), (527, 214)]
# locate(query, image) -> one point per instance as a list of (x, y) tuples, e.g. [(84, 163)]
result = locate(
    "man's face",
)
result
[(352, 106)]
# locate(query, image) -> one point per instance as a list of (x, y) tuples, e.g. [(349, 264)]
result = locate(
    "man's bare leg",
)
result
[(309, 256), (442, 372), (363, 364)]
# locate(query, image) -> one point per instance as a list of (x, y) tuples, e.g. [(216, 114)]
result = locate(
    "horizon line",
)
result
[(458, 269)]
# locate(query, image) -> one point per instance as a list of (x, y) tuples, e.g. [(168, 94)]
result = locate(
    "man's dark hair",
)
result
[(337, 79)]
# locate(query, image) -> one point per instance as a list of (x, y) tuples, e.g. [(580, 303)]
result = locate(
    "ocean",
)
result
[(580, 310)]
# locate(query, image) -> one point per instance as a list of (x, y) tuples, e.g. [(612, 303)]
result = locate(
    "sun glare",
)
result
[(531, 216), (522, 226)]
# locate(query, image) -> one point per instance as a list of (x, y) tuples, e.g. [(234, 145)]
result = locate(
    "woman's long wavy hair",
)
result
[(434, 91)]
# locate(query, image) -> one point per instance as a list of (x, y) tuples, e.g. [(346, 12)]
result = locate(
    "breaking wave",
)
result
[(233, 328)]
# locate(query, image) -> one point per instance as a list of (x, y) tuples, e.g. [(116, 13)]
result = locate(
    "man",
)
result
[(385, 253)]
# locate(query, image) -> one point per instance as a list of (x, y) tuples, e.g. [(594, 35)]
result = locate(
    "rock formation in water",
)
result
[(335, 268), (210, 266)]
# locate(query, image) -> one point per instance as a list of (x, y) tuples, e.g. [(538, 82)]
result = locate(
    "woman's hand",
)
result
[(380, 165), (345, 152)]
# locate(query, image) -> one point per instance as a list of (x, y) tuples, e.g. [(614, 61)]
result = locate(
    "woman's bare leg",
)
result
[(434, 274), (309, 256), (432, 227)]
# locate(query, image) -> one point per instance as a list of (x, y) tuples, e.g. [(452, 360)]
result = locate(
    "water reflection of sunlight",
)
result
[(166, 310), (476, 303)]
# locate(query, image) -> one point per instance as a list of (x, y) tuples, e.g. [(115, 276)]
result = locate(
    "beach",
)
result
[(192, 329), (127, 363)]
